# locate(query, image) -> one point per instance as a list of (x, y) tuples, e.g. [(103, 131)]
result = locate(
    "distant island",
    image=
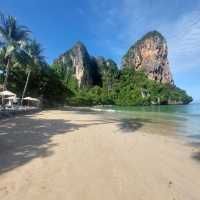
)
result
[(77, 78)]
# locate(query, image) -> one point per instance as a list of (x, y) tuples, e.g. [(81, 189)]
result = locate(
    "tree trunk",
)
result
[(6, 76), (25, 87), (5, 81)]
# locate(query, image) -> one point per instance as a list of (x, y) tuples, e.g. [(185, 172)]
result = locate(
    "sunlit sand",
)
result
[(63, 155)]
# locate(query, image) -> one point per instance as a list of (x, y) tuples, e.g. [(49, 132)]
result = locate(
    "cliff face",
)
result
[(85, 68), (150, 54), (105, 66), (78, 60), (101, 61)]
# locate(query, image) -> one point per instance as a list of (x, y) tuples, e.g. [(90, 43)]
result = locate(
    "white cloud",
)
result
[(183, 38), (123, 22), (183, 35)]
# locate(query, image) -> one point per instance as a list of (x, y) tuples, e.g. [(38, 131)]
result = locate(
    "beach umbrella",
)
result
[(31, 99), (7, 93)]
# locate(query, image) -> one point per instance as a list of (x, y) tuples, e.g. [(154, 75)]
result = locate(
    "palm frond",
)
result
[(35, 51), (11, 31)]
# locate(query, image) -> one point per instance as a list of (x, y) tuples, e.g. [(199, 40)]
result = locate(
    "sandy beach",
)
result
[(75, 155)]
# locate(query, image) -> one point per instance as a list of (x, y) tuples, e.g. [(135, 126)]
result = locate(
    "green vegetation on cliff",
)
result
[(127, 88)]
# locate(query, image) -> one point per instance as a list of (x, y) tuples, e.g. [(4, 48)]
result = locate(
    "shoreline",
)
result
[(59, 154)]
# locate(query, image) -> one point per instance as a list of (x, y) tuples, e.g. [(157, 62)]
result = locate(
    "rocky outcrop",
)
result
[(107, 70), (101, 61), (85, 68), (78, 61), (150, 54)]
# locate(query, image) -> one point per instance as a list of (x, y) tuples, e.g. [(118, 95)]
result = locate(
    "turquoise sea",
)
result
[(179, 120)]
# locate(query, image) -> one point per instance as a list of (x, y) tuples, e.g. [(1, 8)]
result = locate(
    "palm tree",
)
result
[(35, 60), (2, 58), (12, 38), (2, 63)]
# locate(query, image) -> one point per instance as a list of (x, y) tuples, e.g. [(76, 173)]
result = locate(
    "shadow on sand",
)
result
[(24, 138), (196, 144), (196, 156)]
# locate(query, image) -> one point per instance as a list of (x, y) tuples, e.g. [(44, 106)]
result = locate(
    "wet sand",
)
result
[(76, 155)]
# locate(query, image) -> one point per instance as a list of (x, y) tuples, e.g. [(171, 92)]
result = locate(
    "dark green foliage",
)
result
[(129, 88), (117, 87), (44, 83), (51, 88), (95, 73), (109, 73), (21, 55)]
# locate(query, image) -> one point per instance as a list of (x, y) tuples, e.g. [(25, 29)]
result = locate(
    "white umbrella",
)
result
[(31, 99), (7, 93)]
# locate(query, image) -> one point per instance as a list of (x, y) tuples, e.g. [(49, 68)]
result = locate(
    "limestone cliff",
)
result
[(78, 60), (150, 54), (86, 69)]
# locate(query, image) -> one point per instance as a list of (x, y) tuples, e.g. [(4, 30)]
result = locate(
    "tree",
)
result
[(2, 63), (33, 53), (12, 38)]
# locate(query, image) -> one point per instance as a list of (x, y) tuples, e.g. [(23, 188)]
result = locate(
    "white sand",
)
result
[(57, 155)]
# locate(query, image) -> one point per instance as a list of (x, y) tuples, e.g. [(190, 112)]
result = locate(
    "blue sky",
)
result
[(109, 27)]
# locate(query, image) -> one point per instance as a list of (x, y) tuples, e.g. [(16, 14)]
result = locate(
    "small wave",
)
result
[(103, 110)]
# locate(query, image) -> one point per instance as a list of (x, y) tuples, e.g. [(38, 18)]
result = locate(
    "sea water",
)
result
[(182, 120)]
